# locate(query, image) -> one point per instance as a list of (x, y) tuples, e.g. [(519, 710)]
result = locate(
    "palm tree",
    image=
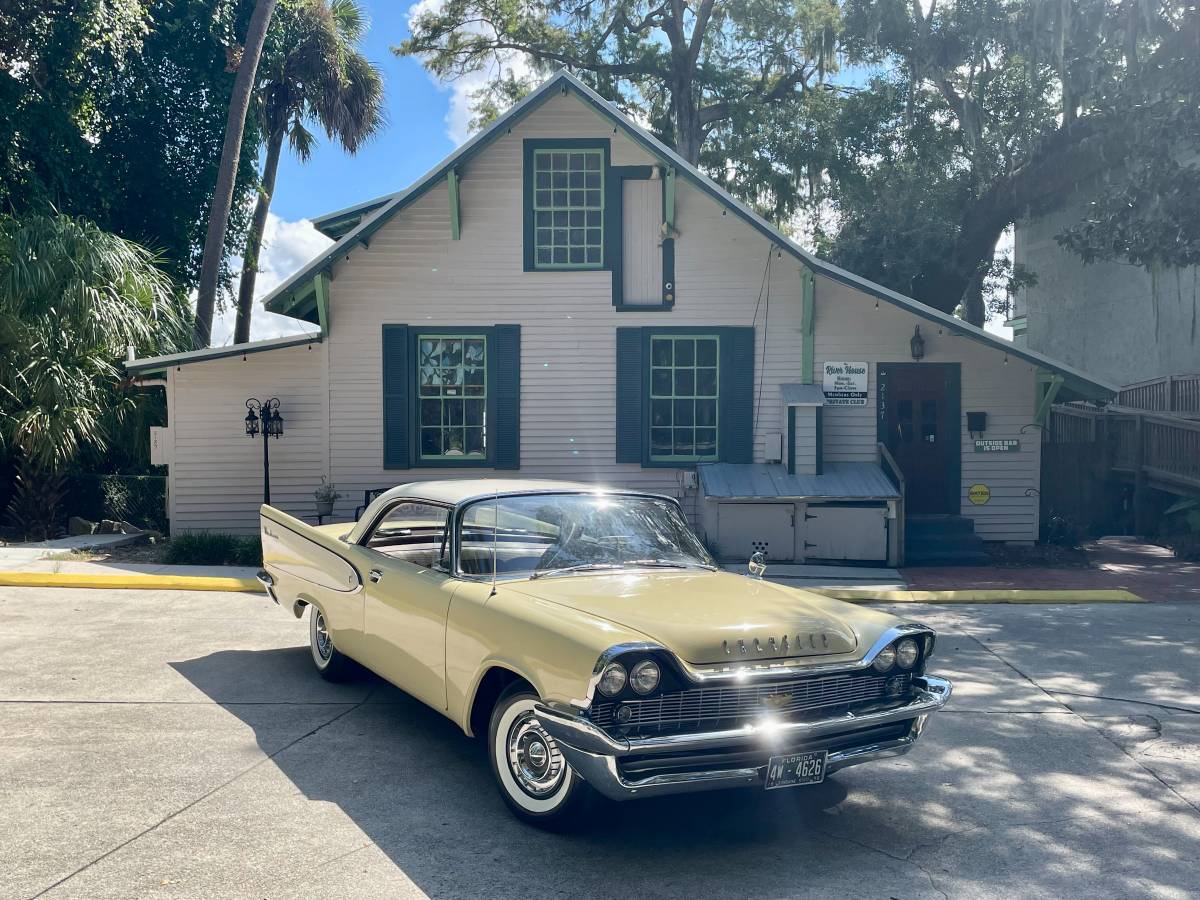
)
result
[(231, 151), (311, 70), (73, 298)]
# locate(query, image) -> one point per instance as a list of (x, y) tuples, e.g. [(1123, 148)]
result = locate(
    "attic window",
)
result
[(568, 208), (565, 204)]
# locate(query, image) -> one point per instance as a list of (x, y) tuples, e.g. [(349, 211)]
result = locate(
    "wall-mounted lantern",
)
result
[(263, 418), (917, 344)]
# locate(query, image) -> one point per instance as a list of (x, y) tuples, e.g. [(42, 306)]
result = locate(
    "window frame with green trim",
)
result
[(535, 212), (413, 380), (641, 396)]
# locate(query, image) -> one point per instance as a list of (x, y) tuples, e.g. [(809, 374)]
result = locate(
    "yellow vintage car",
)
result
[(593, 642)]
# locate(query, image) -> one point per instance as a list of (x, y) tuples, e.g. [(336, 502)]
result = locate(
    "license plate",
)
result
[(798, 768)]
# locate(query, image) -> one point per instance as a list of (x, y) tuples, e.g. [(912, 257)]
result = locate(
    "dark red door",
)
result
[(918, 416)]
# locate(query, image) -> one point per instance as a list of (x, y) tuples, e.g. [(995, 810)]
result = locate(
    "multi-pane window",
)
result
[(568, 209), (684, 385), (452, 396)]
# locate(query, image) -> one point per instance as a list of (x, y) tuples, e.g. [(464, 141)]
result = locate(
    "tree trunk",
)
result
[(245, 303), (235, 125)]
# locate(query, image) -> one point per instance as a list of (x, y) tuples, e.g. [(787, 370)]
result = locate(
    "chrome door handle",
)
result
[(375, 575)]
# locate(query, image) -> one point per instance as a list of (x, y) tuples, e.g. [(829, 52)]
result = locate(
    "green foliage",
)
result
[(36, 504), (312, 71), (1034, 104), (72, 299), (114, 110), (689, 70), (138, 499), (213, 548)]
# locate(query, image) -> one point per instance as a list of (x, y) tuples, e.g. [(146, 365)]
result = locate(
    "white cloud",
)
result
[(459, 113), (286, 247)]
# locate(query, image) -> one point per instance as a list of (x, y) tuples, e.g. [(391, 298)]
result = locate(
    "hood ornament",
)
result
[(758, 565)]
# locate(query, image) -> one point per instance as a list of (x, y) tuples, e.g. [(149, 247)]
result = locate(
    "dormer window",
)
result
[(565, 204)]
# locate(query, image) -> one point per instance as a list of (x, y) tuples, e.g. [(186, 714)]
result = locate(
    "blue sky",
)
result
[(414, 140)]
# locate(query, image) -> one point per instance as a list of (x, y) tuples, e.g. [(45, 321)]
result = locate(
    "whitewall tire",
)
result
[(535, 781), (331, 663)]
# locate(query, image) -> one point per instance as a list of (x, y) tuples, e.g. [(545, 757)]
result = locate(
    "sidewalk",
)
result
[(1121, 563)]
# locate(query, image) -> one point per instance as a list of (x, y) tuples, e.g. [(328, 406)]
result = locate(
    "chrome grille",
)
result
[(730, 704)]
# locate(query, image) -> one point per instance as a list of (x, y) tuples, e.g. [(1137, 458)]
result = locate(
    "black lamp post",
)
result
[(263, 417)]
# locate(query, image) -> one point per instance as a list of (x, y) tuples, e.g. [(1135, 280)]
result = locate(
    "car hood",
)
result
[(712, 617)]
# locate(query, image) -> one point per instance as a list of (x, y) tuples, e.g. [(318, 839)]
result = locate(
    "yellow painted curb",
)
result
[(867, 595), (131, 581)]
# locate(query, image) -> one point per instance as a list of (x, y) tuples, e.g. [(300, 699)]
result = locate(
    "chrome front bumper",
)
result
[(597, 756)]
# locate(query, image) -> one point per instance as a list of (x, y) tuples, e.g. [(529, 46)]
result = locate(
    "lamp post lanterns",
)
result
[(917, 344), (263, 418)]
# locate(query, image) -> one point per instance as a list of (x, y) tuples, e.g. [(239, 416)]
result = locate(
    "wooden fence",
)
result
[(1088, 449), (1178, 394)]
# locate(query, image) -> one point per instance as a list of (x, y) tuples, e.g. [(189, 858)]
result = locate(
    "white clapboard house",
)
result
[(564, 297)]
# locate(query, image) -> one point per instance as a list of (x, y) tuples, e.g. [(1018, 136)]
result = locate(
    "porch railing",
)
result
[(1177, 394), (1162, 448)]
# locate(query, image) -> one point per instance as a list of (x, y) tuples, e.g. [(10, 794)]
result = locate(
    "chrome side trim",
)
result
[(576, 732)]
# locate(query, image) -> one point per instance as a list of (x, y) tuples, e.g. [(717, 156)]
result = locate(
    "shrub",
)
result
[(139, 499), (213, 548)]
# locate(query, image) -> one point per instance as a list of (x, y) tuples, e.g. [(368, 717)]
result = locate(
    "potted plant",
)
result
[(326, 494)]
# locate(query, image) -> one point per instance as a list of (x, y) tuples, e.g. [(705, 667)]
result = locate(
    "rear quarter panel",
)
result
[(307, 564)]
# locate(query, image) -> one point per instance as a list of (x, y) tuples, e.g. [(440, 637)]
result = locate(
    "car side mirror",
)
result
[(757, 565)]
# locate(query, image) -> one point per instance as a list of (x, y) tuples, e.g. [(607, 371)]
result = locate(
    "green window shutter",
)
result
[(737, 395), (630, 379), (395, 397), (505, 426)]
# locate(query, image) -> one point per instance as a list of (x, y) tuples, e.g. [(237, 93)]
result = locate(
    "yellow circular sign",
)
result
[(979, 494)]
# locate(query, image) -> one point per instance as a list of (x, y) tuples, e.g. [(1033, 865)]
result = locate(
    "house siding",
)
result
[(849, 327), (413, 273), (216, 473)]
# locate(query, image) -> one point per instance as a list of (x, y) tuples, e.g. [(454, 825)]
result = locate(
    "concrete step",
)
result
[(922, 526), (946, 556)]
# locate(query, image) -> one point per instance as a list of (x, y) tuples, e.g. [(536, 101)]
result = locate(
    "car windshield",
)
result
[(538, 535)]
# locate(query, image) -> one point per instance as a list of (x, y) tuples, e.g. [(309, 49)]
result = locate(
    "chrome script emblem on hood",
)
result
[(787, 645)]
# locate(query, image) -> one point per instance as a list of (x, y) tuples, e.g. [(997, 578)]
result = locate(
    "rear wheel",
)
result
[(330, 662), (536, 782)]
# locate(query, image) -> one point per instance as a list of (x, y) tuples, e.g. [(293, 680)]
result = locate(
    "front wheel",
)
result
[(331, 663), (534, 779)]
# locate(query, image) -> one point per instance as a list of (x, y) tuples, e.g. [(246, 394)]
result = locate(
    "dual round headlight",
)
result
[(644, 678), (904, 654)]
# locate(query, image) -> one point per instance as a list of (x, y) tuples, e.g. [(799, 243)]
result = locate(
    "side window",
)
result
[(684, 390), (684, 396), (414, 532), (452, 381)]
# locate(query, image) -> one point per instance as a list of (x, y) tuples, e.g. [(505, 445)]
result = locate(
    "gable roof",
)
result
[(356, 224)]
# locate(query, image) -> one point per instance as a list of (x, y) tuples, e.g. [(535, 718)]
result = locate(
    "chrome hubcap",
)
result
[(535, 760), (324, 644)]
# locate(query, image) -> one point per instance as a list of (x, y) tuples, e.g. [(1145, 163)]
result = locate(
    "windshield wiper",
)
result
[(669, 564), (575, 568), (644, 563)]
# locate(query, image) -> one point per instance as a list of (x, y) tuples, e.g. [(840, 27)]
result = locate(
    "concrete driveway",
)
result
[(180, 745)]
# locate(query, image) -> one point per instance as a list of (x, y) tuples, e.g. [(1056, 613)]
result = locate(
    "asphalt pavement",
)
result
[(172, 744)]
